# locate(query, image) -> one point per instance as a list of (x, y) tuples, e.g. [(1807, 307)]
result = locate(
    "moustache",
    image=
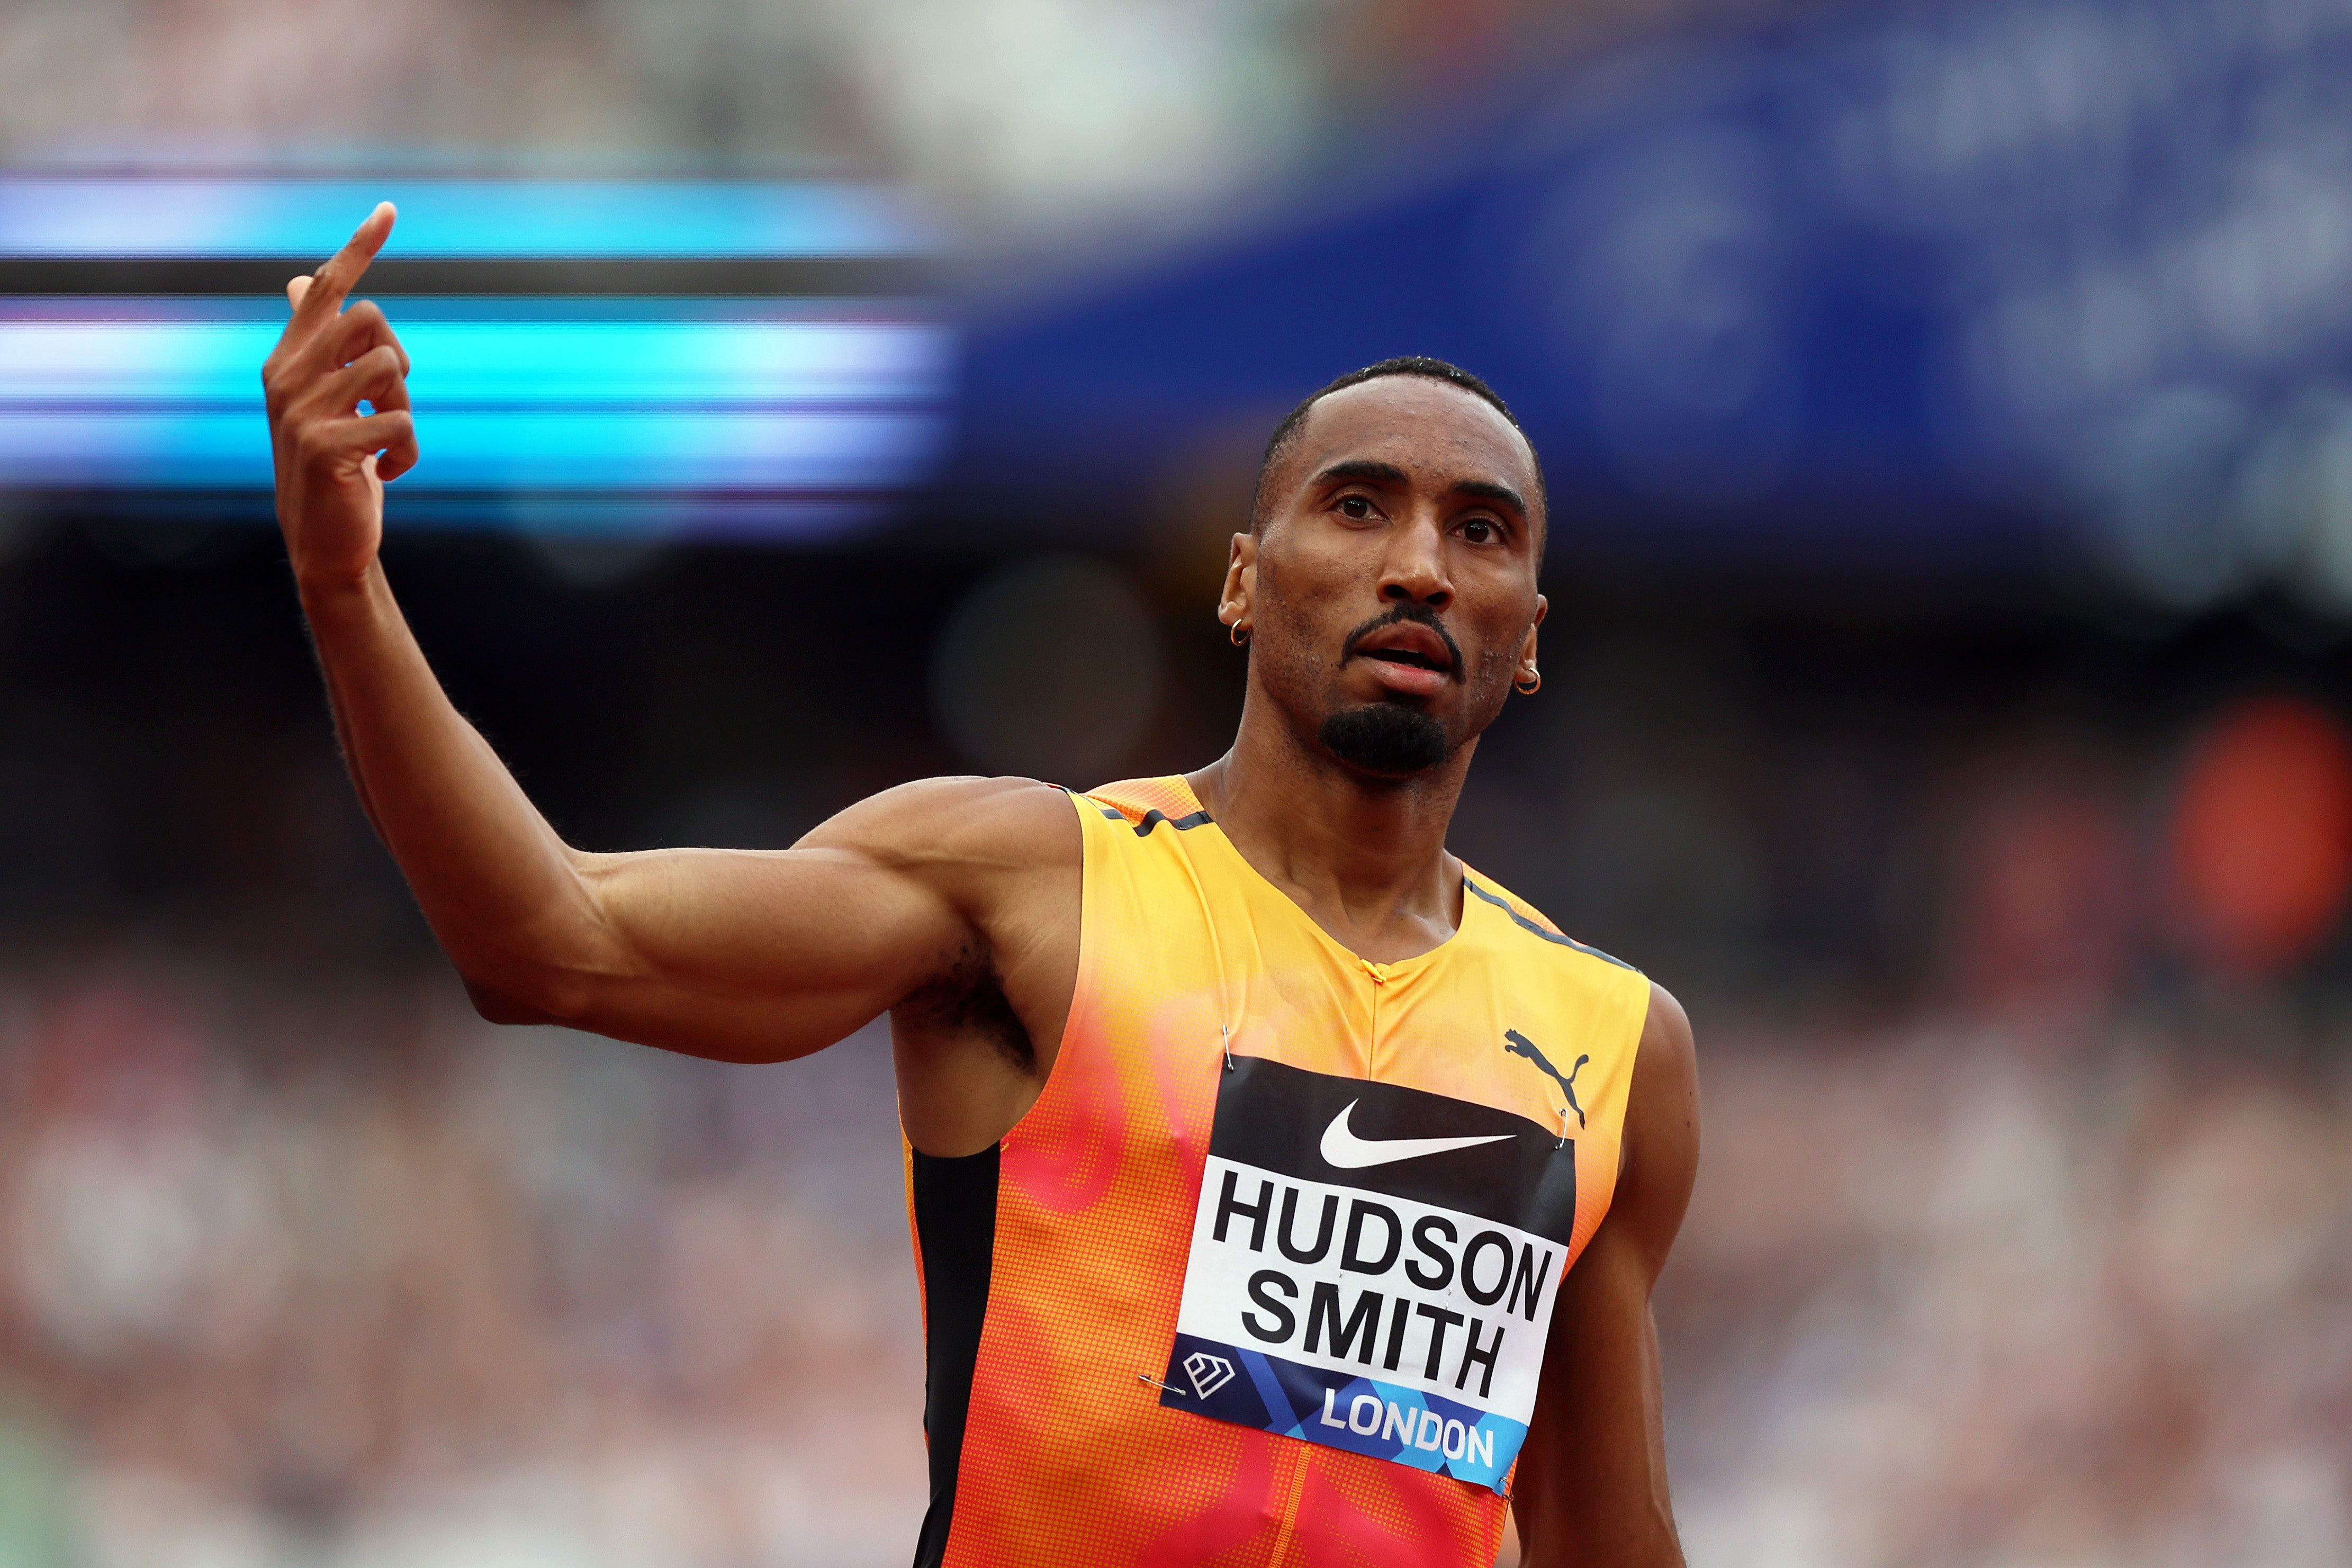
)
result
[(1420, 614)]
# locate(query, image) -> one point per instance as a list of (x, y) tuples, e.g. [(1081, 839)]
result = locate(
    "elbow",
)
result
[(545, 970), (507, 999), (494, 1004)]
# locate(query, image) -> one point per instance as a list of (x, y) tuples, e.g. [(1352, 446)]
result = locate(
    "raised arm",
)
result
[(743, 956), (1592, 1484)]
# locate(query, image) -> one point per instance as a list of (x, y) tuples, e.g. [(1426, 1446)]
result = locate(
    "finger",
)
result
[(374, 375), (396, 435), (354, 333), (332, 283), (397, 458), (336, 442), (296, 288), (316, 298), (297, 367)]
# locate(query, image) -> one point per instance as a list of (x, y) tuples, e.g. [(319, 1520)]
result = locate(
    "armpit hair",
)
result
[(968, 998)]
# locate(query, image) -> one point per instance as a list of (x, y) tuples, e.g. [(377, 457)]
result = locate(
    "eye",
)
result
[(1481, 531), (1356, 506)]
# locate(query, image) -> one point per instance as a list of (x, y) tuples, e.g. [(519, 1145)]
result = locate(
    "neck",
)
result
[(1364, 856)]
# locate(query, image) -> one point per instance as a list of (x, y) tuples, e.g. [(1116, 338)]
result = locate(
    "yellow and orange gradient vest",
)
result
[(1264, 1277)]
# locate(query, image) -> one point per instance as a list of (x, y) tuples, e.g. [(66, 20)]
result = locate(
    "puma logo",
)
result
[(1521, 1046)]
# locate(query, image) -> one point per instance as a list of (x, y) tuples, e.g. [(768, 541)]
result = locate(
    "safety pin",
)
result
[(1228, 1036), (1563, 1129), (1147, 1377)]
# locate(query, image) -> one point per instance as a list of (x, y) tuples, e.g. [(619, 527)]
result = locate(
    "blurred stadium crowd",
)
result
[(1023, 119), (2011, 909), (2024, 1235)]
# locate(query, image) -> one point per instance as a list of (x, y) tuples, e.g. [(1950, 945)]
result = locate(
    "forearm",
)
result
[(501, 890), (734, 953)]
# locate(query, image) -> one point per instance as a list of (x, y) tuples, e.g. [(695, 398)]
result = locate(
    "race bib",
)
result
[(1372, 1268)]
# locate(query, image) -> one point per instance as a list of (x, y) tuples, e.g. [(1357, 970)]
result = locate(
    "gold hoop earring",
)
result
[(1530, 683), (1238, 634)]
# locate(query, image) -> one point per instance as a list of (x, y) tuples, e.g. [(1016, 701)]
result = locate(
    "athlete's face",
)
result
[(1390, 595)]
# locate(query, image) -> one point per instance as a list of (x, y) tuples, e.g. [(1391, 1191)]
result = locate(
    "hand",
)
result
[(332, 461)]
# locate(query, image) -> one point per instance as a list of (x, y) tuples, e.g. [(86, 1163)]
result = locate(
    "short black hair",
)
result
[(1287, 433)]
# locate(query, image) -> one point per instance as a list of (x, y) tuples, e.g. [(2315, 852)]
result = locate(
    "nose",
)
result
[(1414, 569)]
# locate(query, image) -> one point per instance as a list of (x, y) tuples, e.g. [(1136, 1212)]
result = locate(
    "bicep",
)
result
[(751, 955), (754, 956), (1593, 1468)]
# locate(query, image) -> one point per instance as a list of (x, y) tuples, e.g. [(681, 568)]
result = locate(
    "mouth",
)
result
[(1412, 659), (1409, 645)]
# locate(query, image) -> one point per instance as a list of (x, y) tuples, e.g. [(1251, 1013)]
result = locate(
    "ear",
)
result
[(1528, 644), (1237, 598)]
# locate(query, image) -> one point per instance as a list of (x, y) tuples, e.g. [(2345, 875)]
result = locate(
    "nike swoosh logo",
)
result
[(1342, 1148)]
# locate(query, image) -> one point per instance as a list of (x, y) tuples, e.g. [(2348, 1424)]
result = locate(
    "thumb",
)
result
[(296, 288)]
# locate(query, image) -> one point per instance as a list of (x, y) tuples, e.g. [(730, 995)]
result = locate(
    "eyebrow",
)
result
[(1486, 489), (1366, 470)]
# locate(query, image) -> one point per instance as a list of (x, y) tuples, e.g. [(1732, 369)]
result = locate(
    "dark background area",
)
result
[(2011, 929), (1764, 790), (1944, 405)]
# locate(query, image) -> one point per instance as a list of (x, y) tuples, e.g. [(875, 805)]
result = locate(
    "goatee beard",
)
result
[(1385, 738)]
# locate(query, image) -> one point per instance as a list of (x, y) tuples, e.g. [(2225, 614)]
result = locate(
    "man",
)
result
[(1251, 1135)]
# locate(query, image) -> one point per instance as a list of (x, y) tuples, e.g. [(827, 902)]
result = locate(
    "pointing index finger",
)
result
[(332, 283)]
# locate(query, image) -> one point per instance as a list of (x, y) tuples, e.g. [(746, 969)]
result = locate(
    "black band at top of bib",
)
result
[(1277, 1117)]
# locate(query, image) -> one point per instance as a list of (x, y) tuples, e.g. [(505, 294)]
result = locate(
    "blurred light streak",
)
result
[(697, 403), (510, 395), (484, 357), (723, 450), (457, 219)]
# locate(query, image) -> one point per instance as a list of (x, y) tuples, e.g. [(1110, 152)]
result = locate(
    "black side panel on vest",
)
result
[(955, 1216)]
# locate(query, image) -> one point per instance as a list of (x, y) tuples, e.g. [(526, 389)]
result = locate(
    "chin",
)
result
[(1389, 739)]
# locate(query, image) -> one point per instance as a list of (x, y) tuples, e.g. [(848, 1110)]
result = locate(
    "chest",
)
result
[(1340, 1194)]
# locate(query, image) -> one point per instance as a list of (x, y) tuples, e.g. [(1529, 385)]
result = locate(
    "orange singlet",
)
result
[(1265, 1276)]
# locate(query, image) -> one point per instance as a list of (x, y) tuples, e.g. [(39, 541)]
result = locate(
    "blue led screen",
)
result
[(1961, 284), (548, 361), (452, 219)]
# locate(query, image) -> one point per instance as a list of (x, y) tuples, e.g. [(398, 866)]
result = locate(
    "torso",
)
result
[(1140, 1389)]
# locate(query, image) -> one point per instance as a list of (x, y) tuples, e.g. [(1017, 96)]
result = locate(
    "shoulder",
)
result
[(1144, 804), (987, 824), (1532, 921), (1659, 1157), (1665, 1069)]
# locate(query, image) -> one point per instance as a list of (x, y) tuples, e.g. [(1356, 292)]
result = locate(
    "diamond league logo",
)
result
[(1208, 1373)]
